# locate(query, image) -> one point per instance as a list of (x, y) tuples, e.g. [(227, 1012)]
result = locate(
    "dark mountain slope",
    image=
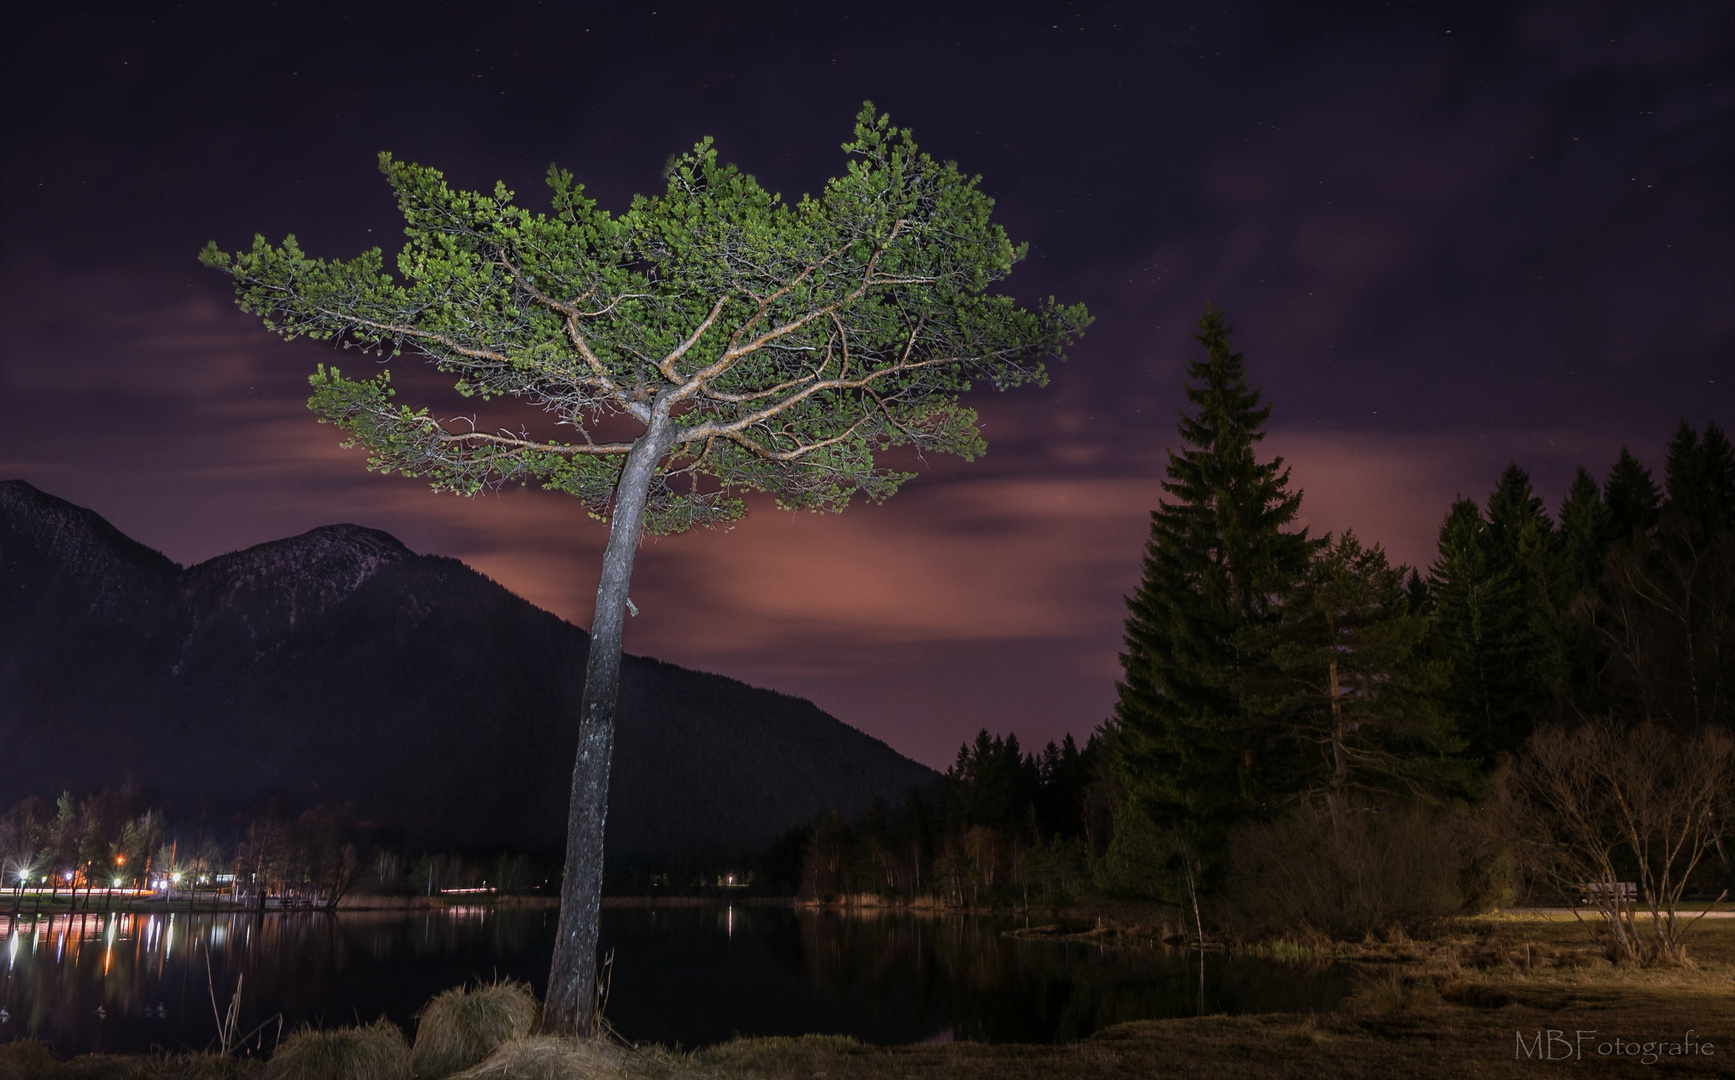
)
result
[(338, 666)]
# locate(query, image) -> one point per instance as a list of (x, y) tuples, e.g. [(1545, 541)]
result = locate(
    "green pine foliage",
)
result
[(1221, 556), (795, 339)]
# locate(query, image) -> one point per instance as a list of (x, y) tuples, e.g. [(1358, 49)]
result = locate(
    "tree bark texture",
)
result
[(570, 1007)]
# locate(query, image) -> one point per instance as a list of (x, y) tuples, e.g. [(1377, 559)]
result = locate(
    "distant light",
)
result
[(176, 877), (69, 877), (117, 883)]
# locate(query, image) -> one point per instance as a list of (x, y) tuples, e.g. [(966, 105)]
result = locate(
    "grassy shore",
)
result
[(1453, 1004)]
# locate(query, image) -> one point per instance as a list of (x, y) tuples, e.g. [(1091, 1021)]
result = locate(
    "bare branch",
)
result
[(797, 453), (639, 410), (754, 418), (667, 366), (516, 443), (736, 351)]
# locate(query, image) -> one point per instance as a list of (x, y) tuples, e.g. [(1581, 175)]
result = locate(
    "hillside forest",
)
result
[(1310, 738)]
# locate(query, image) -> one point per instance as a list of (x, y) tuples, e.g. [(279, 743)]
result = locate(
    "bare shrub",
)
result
[(1590, 805), (1370, 871), (376, 1052), (463, 1025)]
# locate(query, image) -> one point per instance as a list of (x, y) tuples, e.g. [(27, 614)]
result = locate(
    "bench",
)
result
[(1599, 893)]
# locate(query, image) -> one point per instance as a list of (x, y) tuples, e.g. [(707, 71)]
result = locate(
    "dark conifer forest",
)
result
[(1298, 712)]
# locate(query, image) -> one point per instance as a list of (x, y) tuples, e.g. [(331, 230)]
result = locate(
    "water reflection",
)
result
[(124, 981)]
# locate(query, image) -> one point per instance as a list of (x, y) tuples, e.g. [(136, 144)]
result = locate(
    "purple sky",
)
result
[(1450, 236)]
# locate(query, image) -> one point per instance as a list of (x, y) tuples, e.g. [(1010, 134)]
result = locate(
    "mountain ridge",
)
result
[(339, 666)]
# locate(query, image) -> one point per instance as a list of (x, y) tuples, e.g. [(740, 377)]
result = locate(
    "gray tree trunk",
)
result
[(570, 1006)]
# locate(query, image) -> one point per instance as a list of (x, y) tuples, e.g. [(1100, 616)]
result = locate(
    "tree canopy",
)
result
[(788, 341), (706, 342)]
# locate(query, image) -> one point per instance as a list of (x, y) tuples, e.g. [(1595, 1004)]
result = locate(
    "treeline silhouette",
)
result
[(1003, 826)]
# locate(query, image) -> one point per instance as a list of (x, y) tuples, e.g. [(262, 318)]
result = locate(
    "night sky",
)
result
[(1450, 236)]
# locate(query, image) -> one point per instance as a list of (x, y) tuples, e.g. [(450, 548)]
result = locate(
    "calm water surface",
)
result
[(126, 982)]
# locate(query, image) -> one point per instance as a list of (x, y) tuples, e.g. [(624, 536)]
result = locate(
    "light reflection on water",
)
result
[(127, 981)]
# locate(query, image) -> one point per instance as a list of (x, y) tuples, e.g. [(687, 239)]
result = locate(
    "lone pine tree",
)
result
[(753, 344), (1220, 557)]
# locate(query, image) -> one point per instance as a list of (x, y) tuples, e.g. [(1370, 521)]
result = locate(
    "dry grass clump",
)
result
[(1390, 993), (25, 1060), (788, 1055), (189, 1067), (28, 1059), (376, 1052), (550, 1057), (462, 1026)]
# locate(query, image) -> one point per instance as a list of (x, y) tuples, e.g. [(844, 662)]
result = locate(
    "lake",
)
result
[(127, 982)]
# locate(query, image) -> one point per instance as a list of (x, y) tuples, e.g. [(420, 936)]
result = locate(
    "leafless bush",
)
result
[(1370, 870), (1592, 805)]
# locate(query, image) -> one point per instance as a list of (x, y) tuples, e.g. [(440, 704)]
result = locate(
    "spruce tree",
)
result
[(1671, 590), (1351, 686), (1065, 773), (1219, 559), (993, 783), (1485, 631), (1632, 498), (1699, 477), (1586, 532), (1524, 542)]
